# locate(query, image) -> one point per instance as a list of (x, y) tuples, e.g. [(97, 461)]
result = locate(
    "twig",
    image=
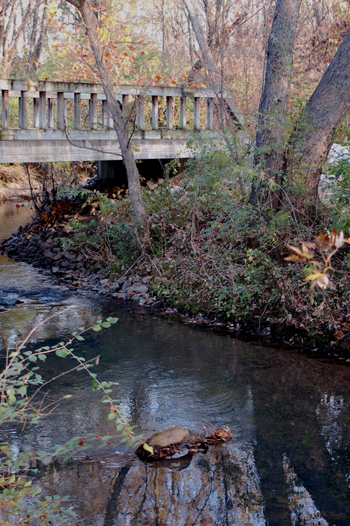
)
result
[(31, 189), (138, 259), (88, 147)]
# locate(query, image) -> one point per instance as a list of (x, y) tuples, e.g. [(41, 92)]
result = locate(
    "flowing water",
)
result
[(287, 465)]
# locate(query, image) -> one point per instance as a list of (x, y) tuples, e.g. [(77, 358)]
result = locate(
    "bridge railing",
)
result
[(60, 105)]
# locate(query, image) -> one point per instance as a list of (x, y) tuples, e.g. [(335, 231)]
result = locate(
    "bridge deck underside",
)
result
[(36, 145)]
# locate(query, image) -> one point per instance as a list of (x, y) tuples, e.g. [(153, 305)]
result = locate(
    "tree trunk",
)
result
[(210, 65), (272, 131), (38, 37), (134, 185), (227, 106), (314, 134)]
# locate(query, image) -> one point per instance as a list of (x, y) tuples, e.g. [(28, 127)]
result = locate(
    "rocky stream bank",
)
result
[(51, 243), (41, 244), (42, 247)]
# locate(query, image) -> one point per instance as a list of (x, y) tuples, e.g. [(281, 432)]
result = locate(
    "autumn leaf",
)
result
[(339, 335), (330, 241), (318, 278), (300, 255)]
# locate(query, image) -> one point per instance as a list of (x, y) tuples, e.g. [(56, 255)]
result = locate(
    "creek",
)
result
[(287, 465)]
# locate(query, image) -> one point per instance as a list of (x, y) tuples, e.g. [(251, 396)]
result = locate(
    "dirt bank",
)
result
[(14, 182)]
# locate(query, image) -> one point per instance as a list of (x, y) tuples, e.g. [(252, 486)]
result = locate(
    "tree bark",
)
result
[(38, 37), (134, 185), (313, 136), (210, 65), (272, 130), (227, 105)]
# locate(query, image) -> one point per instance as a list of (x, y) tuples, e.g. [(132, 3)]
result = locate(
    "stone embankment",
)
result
[(43, 246)]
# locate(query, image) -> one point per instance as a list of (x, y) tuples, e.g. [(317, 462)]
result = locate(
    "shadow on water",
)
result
[(289, 461)]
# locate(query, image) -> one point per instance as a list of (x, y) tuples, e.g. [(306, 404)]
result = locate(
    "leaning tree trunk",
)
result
[(271, 135), (228, 106), (210, 65), (134, 185), (314, 134)]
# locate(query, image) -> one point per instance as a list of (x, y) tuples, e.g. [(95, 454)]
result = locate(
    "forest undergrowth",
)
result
[(212, 254)]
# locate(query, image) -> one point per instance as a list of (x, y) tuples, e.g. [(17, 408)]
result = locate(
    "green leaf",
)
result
[(105, 324), (112, 320), (62, 353), (32, 358), (68, 396), (42, 357), (111, 416), (80, 338), (12, 399), (22, 391), (148, 448), (96, 328)]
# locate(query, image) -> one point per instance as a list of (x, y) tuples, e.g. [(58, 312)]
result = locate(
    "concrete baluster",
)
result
[(50, 123), (155, 112), (140, 113), (125, 100), (5, 109), (169, 113), (60, 110), (36, 112), (77, 111), (23, 110), (42, 109), (110, 121), (183, 119), (93, 111), (65, 112), (106, 118), (197, 123), (210, 113)]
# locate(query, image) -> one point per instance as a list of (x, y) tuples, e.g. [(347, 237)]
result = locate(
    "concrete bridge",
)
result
[(67, 121)]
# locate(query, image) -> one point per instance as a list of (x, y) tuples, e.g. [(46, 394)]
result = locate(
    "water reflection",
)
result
[(13, 215), (176, 375)]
